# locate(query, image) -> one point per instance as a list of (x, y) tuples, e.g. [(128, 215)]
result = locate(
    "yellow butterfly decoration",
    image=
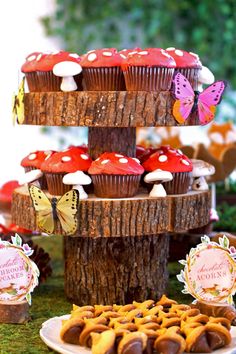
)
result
[(48, 211), (18, 111)]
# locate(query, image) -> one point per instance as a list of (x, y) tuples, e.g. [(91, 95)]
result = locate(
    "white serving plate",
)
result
[(50, 331)]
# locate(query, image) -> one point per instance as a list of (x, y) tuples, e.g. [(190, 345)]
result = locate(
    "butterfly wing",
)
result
[(18, 110), (43, 209), (67, 211), (208, 99), (184, 95)]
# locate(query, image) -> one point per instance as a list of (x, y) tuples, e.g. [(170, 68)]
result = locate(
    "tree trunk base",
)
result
[(14, 312), (115, 270)]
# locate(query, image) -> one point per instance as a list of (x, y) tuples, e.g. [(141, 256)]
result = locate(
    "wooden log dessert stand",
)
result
[(120, 250)]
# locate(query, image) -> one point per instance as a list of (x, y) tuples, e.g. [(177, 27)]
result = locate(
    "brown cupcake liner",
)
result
[(55, 184), (115, 186), (180, 183), (42, 180), (142, 78), (192, 74), (48, 81), (104, 79), (32, 81)]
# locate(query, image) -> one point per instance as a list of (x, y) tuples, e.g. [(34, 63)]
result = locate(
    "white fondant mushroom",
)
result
[(78, 179), (157, 177), (206, 77), (66, 70), (30, 176), (201, 169)]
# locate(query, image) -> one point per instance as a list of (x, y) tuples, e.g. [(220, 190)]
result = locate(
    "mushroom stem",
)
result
[(200, 184), (82, 194), (68, 84), (157, 191)]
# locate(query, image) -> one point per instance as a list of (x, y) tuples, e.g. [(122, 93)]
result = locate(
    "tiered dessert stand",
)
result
[(120, 250)]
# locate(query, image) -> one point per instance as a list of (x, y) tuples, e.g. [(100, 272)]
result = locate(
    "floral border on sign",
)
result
[(25, 252), (193, 290)]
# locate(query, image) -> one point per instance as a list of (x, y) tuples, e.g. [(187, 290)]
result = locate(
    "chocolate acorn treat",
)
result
[(71, 329), (91, 326), (115, 175), (169, 341), (33, 162), (102, 70), (103, 343), (188, 64), (175, 162), (73, 161), (38, 69), (150, 69), (132, 343)]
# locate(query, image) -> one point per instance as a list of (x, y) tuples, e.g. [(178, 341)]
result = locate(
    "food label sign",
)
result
[(210, 271), (18, 274)]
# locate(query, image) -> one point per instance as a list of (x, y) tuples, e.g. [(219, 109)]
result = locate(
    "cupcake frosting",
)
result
[(184, 59), (115, 164), (36, 158), (70, 160), (38, 61), (149, 57), (168, 159), (105, 57)]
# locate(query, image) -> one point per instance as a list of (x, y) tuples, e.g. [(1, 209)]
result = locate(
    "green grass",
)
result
[(49, 301)]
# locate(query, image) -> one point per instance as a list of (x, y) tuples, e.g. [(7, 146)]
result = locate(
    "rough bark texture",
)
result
[(102, 109), (110, 139), (117, 270), (14, 312), (135, 216)]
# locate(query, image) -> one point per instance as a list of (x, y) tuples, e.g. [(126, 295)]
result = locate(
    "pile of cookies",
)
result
[(163, 327)]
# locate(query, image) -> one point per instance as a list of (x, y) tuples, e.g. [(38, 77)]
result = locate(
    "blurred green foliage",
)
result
[(206, 27)]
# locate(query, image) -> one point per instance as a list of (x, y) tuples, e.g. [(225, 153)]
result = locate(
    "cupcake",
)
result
[(63, 163), (115, 175), (33, 161), (125, 52), (150, 69), (188, 64), (174, 161), (53, 71), (102, 70)]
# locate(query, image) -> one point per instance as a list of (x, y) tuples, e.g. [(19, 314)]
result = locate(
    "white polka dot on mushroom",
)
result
[(97, 159), (123, 56), (107, 54), (66, 158), (39, 57), (180, 152), (170, 48), (185, 162), (74, 55), (179, 52), (123, 160), (118, 155), (92, 57), (32, 157), (84, 157), (194, 54), (137, 160), (104, 162), (32, 57), (163, 158), (144, 52)]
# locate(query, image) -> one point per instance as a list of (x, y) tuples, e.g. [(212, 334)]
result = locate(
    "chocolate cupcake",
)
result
[(174, 161), (53, 71), (102, 70), (33, 161), (188, 64), (150, 69), (60, 164), (115, 175)]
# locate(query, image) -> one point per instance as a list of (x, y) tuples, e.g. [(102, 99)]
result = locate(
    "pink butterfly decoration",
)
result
[(187, 100)]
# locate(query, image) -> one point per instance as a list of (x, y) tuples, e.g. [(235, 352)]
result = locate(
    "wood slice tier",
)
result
[(135, 216), (115, 270), (102, 109), (14, 312)]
